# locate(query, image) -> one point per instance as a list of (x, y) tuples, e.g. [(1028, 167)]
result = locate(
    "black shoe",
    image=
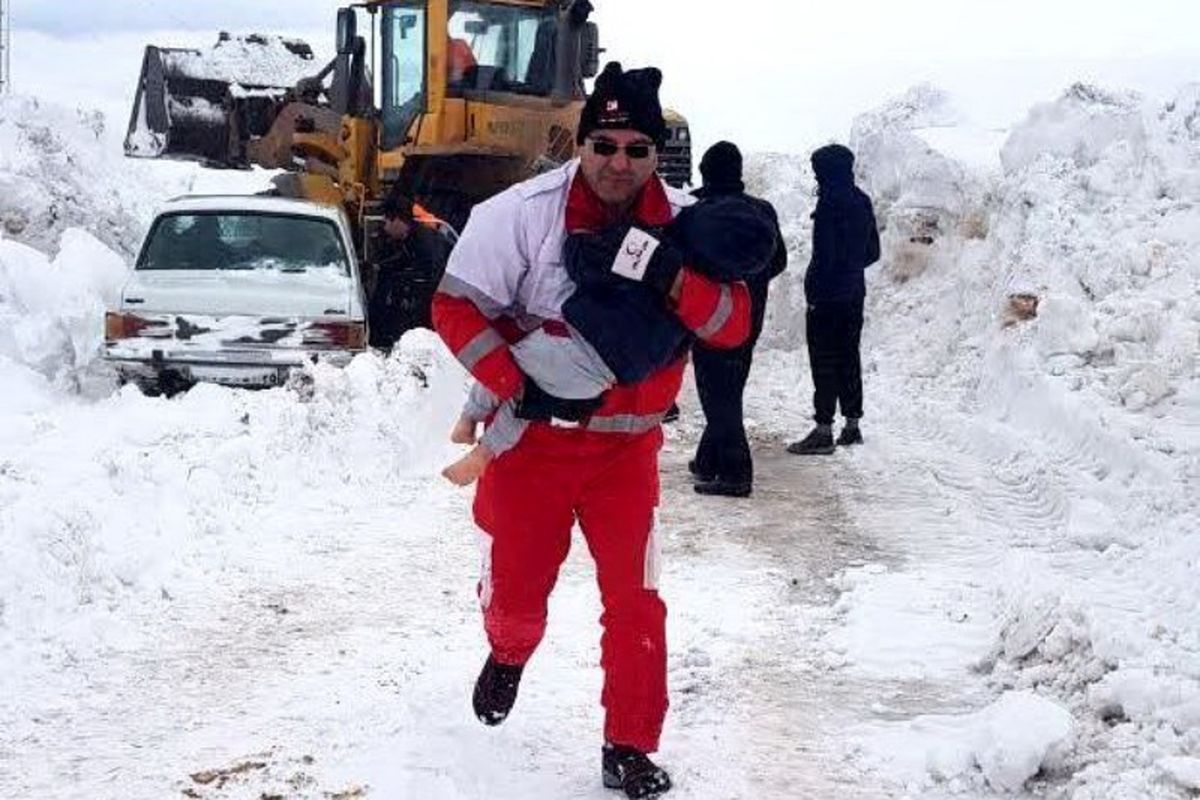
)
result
[(849, 436), (699, 474), (496, 691), (633, 772), (723, 487), (817, 443)]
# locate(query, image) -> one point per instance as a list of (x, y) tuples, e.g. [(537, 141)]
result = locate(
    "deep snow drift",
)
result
[(1030, 481), (1076, 544)]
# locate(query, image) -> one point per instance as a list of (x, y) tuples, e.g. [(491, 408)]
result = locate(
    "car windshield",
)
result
[(243, 241)]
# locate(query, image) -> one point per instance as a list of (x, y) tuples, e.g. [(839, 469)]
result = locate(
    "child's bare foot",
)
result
[(463, 431), (467, 469)]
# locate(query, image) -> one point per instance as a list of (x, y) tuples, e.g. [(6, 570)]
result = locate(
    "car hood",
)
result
[(317, 292)]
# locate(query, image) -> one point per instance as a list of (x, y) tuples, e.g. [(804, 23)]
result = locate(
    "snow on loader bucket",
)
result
[(204, 106)]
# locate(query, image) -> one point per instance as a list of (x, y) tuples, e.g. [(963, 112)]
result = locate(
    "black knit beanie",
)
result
[(624, 100), (721, 168)]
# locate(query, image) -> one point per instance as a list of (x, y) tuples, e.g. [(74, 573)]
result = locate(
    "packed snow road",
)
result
[(313, 632)]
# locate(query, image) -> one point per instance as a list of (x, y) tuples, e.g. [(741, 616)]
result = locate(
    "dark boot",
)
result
[(819, 442), (850, 435), (698, 473), (724, 487), (496, 691), (633, 772)]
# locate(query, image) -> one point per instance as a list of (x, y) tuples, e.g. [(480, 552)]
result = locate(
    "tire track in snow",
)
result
[(785, 706)]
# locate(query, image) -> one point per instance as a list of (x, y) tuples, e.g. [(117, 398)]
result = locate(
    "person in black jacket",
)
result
[(723, 465), (409, 258), (845, 243)]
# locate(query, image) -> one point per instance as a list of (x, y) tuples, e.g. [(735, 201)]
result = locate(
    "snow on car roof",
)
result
[(241, 202)]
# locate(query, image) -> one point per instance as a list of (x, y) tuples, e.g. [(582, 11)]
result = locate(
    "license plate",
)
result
[(238, 376)]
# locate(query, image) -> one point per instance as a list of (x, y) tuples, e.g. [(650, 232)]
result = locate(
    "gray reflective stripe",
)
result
[(485, 569), (479, 347), (652, 558), (457, 287), (625, 423), (720, 316)]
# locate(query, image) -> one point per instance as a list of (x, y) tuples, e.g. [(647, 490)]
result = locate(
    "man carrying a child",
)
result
[(545, 263)]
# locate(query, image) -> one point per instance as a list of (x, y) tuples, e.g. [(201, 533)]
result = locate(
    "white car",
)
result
[(239, 291)]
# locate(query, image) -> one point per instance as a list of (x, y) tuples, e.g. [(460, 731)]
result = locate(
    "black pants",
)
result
[(401, 301), (834, 333), (721, 382)]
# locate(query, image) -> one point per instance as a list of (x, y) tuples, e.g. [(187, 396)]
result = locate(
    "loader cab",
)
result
[(482, 51), (512, 47)]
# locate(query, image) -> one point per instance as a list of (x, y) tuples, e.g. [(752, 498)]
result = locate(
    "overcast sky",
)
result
[(770, 74)]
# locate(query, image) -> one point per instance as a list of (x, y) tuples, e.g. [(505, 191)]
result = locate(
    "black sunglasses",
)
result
[(636, 151)]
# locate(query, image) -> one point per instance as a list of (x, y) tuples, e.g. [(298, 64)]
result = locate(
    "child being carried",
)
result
[(614, 330)]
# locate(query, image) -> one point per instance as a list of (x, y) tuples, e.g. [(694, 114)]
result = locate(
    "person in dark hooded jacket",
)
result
[(723, 464), (845, 243)]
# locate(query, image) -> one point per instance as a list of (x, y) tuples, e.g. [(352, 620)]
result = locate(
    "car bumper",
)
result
[(250, 369)]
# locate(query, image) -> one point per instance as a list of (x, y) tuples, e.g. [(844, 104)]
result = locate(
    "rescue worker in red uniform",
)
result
[(597, 466)]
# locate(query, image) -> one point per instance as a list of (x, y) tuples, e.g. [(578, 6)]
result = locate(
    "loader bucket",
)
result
[(204, 105)]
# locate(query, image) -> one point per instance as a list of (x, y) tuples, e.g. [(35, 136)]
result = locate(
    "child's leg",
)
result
[(501, 436), (480, 402), (467, 469), (505, 431), (479, 405), (463, 431)]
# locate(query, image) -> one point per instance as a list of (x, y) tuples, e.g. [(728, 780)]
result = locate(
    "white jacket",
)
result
[(509, 257)]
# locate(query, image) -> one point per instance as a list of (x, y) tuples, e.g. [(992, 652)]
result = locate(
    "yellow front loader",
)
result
[(471, 97)]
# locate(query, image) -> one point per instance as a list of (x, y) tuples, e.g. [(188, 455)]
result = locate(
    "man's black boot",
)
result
[(850, 435), (723, 487), (496, 691), (819, 442), (698, 472), (633, 772)]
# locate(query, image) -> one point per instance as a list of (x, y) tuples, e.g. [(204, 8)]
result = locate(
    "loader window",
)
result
[(514, 46), (404, 40), (243, 241)]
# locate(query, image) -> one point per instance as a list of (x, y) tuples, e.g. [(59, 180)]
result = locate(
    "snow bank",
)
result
[(59, 169), (63, 168), (52, 310), (162, 493), (1183, 771), (1055, 456), (1080, 126), (1005, 744), (1099, 215)]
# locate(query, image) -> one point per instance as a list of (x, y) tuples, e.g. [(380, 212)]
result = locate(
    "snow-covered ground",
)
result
[(270, 594)]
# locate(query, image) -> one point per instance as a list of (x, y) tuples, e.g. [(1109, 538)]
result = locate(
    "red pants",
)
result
[(528, 501)]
